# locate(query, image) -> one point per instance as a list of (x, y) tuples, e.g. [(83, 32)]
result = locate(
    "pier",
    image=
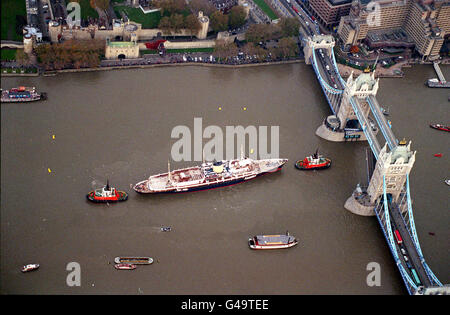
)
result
[(440, 81)]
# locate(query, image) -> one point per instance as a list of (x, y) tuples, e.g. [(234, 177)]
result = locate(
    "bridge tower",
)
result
[(316, 42), (393, 168), (344, 125)]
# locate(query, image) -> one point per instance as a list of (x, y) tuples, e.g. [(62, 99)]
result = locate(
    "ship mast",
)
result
[(168, 167)]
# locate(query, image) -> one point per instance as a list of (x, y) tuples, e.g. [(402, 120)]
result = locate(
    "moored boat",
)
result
[(278, 241), (440, 127), (30, 267), (313, 162), (107, 194), (438, 154), (125, 266), (447, 181), (133, 260), (209, 175), (22, 94)]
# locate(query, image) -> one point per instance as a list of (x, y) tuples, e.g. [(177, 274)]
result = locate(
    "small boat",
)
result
[(313, 162), (22, 94), (447, 181), (30, 267), (134, 260), (438, 155), (440, 127), (384, 111), (272, 241), (166, 229), (107, 194), (125, 266)]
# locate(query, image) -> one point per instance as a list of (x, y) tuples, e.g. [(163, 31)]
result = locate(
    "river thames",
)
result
[(117, 125)]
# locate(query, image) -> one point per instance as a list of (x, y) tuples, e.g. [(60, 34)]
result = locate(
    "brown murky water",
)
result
[(118, 125)]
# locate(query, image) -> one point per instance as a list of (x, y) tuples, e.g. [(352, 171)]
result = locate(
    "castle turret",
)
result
[(204, 22)]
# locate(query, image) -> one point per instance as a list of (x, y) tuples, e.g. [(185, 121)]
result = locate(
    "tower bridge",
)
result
[(357, 115)]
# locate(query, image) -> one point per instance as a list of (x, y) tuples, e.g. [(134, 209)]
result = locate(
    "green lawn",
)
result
[(263, 5), (8, 54), (150, 20), (86, 10), (178, 51), (10, 9)]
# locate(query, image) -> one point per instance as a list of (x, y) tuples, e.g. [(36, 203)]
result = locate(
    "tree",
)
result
[(287, 47), (192, 24), (176, 22), (236, 16), (203, 5), (165, 25), (170, 6), (218, 21), (289, 26), (224, 50), (22, 58), (101, 4)]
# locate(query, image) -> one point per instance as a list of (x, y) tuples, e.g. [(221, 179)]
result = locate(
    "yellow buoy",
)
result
[(53, 136), (49, 170), (245, 108), (220, 108)]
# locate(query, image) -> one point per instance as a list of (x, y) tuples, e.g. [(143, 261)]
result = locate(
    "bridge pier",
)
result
[(341, 127), (328, 131)]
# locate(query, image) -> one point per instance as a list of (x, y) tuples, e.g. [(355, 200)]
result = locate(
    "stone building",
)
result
[(122, 49), (425, 22)]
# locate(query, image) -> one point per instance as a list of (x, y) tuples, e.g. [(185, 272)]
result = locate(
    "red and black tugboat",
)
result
[(440, 127), (107, 194), (313, 162)]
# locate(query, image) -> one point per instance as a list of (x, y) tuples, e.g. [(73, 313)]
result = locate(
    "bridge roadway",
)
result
[(408, 245), (382, 123), (366, 126)]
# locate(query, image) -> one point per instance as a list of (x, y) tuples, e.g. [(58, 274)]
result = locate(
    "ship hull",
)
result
[(318, 167), (212, 185), (122, 196)]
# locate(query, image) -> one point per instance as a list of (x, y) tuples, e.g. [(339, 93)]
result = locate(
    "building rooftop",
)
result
[(121, 44)]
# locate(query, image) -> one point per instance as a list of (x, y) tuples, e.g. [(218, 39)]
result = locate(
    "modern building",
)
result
[(425, 23), (329, 12)]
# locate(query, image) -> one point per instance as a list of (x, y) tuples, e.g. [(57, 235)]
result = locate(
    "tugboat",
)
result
[(125, 266), (272, 241), (30, 267), (22, 94), (208, 175), (440, 127), (313, 162), (107, 194)]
